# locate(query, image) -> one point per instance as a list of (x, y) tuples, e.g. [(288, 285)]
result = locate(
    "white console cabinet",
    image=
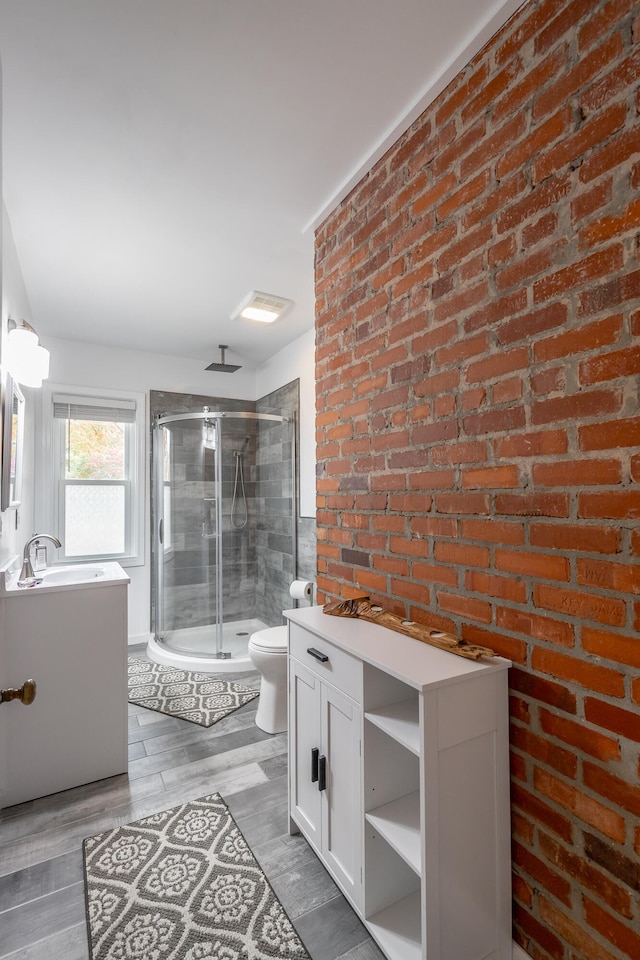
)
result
[(398, 778)]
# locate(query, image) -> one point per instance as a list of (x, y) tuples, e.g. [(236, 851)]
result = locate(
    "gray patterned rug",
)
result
[(201, 698), (182, 885)]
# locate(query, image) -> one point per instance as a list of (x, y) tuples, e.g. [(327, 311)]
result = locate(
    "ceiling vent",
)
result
[(264, 307)]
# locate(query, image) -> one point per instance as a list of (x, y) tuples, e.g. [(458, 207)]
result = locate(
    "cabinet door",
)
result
[(304, 738), (342, 799)]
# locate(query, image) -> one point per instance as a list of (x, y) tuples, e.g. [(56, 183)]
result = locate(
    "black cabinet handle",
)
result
[(317, 654), (315, 753), (322, 773)]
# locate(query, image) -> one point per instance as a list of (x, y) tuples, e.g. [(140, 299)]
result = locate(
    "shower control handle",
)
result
[(315, 754), (317, 655)]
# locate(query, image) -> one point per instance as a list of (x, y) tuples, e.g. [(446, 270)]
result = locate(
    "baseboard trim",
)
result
[(519, 954), (138, 638)]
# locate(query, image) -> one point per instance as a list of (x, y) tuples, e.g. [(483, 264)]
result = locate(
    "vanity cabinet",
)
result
[(414, 820), (71, 638), (324, 747)]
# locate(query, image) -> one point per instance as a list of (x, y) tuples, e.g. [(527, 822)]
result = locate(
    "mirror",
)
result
[(12, 437)]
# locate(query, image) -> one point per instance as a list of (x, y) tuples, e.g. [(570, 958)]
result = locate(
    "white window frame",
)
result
[(52, 481)]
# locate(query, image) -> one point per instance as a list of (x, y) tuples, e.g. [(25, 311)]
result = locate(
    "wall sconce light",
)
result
[(28, 362), (261, 306)]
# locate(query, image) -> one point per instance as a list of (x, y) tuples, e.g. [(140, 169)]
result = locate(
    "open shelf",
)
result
[(397, 928), (398, 822), (400, 721)]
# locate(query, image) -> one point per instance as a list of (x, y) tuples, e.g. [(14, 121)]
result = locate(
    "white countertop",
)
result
[(418, 664)]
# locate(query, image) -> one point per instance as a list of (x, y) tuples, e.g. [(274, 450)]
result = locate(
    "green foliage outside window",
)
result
[(95, 450)]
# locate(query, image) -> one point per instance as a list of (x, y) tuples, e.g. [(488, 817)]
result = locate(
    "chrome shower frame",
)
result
[(221, 660)]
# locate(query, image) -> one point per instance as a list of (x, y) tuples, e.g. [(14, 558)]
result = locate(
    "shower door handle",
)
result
[(161, 531), (210, 522)]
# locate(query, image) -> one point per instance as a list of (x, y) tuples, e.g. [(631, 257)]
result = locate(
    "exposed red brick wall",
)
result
[(478, 426)]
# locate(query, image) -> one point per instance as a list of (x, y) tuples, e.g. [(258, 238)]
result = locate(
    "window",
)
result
[(95, 509)]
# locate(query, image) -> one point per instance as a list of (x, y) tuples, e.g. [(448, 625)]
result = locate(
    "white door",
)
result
[(304, 750), (342, 803)]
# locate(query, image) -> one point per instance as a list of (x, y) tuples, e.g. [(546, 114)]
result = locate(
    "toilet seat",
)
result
[(271, 639)]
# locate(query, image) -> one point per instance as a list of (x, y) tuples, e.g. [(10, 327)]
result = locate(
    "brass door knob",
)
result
[(26, 693)]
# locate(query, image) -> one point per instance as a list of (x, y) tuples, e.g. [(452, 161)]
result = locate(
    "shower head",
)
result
[(221, 366), (240, 452)]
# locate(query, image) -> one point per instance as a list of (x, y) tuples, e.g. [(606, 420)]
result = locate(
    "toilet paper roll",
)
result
[(301, 590)]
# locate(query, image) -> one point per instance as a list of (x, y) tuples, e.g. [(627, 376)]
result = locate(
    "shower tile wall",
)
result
[(238, 542), (273, 567), (276, 545), (191, 564)]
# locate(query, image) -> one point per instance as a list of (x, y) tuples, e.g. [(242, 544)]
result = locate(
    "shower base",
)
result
[(194, 648)]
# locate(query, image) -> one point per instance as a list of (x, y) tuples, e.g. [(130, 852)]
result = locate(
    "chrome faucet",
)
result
[(27, 570)]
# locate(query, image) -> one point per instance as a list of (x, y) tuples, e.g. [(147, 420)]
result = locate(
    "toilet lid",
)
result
[(271, 638)]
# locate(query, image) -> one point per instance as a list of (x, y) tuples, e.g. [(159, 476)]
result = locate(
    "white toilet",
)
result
[(268, 652)]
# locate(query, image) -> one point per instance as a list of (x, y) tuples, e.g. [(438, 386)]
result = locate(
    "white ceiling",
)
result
[(162, 158)]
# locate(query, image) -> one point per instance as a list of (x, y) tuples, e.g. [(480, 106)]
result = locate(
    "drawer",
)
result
[(340, 669)]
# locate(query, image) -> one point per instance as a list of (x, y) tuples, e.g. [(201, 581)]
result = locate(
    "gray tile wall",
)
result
[(277, 499)]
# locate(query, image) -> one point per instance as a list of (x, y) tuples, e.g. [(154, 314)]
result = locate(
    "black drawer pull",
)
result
[(322, 773), (315, 753), (317, 655)]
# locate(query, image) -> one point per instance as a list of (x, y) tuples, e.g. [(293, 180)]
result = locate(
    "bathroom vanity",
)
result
[(399, 780), (69, 634)]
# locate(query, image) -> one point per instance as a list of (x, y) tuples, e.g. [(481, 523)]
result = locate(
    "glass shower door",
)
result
[(223, 515), (187, 542)]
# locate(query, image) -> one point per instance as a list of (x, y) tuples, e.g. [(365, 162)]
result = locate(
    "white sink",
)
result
[(80, 574)]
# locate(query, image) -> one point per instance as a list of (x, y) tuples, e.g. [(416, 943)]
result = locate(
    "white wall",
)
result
[(16, 524), (91, 365), (80, 364), (297, 360)]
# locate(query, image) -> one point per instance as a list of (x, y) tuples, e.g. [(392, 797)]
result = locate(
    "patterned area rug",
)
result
[(199, 697), (182, 885)]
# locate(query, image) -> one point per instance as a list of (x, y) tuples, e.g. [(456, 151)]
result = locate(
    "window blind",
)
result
[(93, 408)]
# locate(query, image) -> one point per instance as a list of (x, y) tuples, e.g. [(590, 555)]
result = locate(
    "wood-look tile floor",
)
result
[(171, 761)]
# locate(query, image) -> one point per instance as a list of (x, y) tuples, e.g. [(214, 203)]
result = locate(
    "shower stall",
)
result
[(224, 537)]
